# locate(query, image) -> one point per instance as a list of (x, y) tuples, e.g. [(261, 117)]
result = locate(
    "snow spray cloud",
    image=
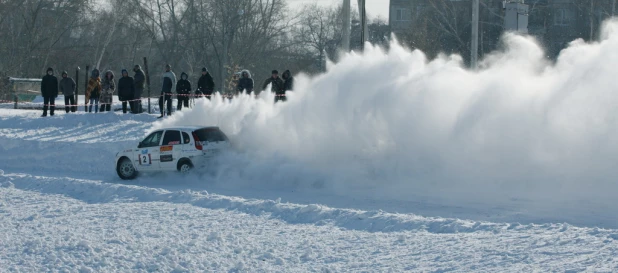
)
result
[(519, 126)]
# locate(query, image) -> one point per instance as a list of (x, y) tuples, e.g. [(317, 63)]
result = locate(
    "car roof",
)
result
[(189, 128)]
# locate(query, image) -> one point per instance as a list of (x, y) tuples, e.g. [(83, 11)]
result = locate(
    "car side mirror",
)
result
[(139, 145)]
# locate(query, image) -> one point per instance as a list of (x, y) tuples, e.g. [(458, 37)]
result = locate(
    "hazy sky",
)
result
[(374, 7)]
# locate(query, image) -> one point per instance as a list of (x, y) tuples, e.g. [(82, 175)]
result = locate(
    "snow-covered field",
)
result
[(439, 169), (63, 209)]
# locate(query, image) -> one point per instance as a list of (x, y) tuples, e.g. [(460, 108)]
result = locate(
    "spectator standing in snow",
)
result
[(139, 80), (288, 84), (67, 87), (183, 90), (49, 91), (205, 85), (276, 85), (93, 91), (245, 83), (126, 91), (109, 87), (169, 78)]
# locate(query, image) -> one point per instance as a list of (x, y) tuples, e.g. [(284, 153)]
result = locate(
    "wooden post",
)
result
[(14, 93), (85, 90), (474, 50), (76, 89), (147, 81)]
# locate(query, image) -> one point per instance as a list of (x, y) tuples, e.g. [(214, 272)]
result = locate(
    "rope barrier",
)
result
[(163, 94)]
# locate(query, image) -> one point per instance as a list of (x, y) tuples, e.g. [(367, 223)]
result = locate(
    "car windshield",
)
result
[(152, 140), (210, 135)]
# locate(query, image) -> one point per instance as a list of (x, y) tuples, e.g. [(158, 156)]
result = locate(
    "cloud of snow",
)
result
[(397, 125)]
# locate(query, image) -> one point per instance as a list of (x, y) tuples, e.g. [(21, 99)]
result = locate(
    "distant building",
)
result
[(444, 25)]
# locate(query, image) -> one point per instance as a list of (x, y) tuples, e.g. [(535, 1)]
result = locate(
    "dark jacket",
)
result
[(169, 79), (183, 86), (139, 80), (277, 85), (49, 85), (245, 83), (67, 86), (288, 84), (206, 84), (126, 88)]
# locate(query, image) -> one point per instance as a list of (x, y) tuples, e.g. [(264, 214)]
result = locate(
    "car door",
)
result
[(148, 152), (171, 150)]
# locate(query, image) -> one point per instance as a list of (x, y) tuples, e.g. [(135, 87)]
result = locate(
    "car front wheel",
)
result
[(125, 169)]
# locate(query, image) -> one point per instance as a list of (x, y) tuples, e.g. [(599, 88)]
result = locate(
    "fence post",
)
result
[(15, 94), (147, 81), (76, 89), (86, 89)]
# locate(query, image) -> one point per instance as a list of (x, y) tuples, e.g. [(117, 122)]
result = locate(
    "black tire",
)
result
[(184, 165), (125, 169)]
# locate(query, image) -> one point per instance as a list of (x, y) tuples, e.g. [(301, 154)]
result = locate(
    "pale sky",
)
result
[(373, 8)]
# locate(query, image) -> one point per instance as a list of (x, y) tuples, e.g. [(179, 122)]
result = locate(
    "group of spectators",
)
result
[(206, 86), (99, 92)]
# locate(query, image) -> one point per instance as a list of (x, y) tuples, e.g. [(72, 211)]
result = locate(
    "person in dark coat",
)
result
[(126, 91), (49, 91), (245, 83), (288, 83), (205, 85), (67, 87), (276, 85), (169, 79), (140, 81), (183, 90)]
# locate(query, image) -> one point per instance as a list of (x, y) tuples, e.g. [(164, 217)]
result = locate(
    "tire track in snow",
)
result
[(92, 191)]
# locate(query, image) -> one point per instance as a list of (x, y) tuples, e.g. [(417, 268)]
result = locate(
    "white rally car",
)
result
[(172, 149)]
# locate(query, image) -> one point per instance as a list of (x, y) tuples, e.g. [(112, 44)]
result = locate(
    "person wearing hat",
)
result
[(67, 87), (183, 90), (205, 85), (276, 85), (288, 83), (169, 80), (245, 83), (126, 91), (139, 80), (49, 91)]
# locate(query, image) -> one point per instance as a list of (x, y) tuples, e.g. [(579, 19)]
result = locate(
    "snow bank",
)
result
[(398, 125)]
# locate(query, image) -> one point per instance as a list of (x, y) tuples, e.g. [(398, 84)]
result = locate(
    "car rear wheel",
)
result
[(125, 169), (184, 166)]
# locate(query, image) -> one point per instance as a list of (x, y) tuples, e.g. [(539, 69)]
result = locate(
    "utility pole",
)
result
[(345, 46), (474, 50), (363, 15)]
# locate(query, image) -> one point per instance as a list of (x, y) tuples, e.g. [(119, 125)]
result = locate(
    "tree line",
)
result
[(225, 36)]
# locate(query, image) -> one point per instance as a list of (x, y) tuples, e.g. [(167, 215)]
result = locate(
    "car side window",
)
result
[(172, 138), (185, 138), (152, 140)]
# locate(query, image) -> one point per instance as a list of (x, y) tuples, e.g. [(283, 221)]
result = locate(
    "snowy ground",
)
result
[(436, 168), (65, 210)]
